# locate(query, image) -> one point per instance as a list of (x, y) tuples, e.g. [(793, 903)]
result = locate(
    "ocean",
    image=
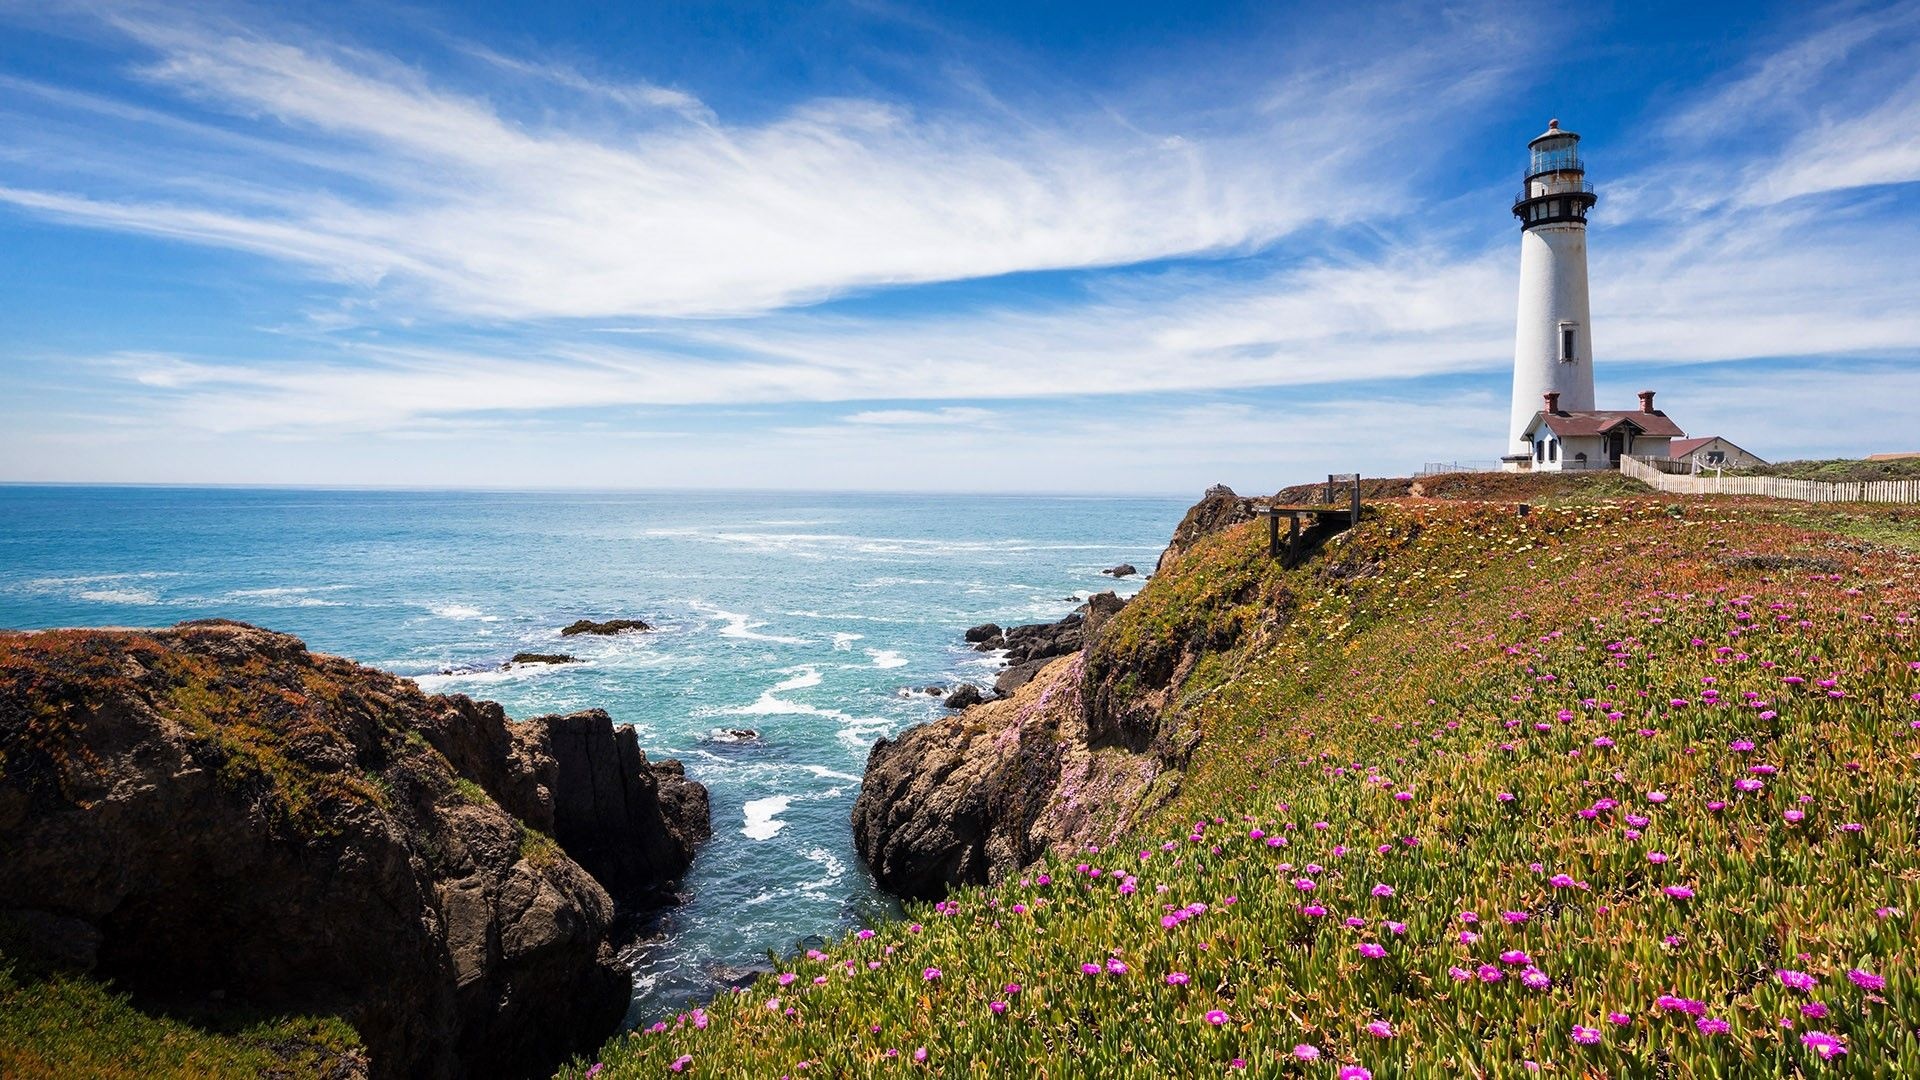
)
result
[(814, 619)]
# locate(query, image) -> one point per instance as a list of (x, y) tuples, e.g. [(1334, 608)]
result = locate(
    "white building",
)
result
[(1562, 440), (1554, 425)]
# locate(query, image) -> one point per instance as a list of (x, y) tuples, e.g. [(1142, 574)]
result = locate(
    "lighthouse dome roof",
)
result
[(1554, 131)]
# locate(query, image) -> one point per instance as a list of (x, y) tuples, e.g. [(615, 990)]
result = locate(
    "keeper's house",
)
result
[(1563, 440)]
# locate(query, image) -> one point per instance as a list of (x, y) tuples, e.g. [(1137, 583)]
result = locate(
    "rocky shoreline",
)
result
[(1073, 748), (212, 815)]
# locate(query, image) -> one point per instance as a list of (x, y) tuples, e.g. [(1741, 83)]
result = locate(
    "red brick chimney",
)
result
[(1646, 401), (1553, 402)]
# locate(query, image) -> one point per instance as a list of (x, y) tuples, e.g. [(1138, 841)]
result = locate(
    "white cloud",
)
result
[(467, 210)]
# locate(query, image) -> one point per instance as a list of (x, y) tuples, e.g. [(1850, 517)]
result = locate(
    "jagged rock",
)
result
[(1100, 608), (1123, 570), (1018, 675), (610, 626), (965, 695), (972, 797), (983, 632), (542, 658), (214, 810), (1218, 509), (734, 735)]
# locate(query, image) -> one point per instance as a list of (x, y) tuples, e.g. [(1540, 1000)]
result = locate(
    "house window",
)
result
[(1580, 459), (1716, 457), (1540, 451), (1566, 343), (1553, 451)]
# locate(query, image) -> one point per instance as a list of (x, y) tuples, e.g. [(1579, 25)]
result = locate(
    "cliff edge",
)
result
[(212, 815)]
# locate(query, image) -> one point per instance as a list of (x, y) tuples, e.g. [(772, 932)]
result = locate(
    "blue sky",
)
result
[(1054, 247)]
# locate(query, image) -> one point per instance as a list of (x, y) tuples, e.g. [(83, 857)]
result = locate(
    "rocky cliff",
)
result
[(212, 813), (1086, 743)]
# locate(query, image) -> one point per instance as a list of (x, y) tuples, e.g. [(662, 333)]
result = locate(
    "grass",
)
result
[(1622, 788), (60, 1026), (1837, 470)]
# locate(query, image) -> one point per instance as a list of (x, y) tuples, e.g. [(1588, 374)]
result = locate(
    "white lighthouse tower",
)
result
[(1553, 342)]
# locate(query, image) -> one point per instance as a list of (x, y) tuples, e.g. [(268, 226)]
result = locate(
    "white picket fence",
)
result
[(1880, 491)]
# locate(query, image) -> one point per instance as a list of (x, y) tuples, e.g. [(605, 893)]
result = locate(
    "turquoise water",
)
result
[(806, 617)]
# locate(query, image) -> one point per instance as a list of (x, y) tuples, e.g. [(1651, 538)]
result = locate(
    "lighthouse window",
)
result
[(1566, 344)]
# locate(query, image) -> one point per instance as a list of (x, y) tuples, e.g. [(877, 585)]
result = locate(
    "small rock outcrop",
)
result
[(609, 626), (212, 812), (1218, 509), (542, 658), (983, 633), (964, 696), (1125, 569)]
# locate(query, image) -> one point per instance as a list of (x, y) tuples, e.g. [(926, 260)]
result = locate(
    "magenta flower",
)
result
[(1355, 1072), (997, 1007), (1865, 980), (680, 1063), (1796, 980), (931, 974), (1678, 892), (1515, 957), (1488, 973), (1656, 856), (1535, 979), (1178, 978), (920, 1054), (1827, 1046), (1619, 1019), (1712, 1026), (1115, 967), (1383, 891), (1307, 1052), (1089, 969), (1216, 1017), (1370, 950), (1585, 1035), (1380, 1029)]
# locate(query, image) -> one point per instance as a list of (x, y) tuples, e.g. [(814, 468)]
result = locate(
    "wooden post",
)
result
[(1293, 539), (1329, 498), (1273, 535), (1353, 515)]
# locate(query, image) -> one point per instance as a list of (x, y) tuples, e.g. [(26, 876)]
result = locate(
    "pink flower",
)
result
[(1089, 969), (680, 1063), (1865, 980), (1371, 950), (1115, 967), (1585, 1035), (1535, 979), (1827, 1046), (786, 978), (1380, 1029), (1656, 797), (1178, 978), (1711, 1026), (1796, 980), (1216, 1017), (931, 974), (1515, 957), (1383, 891), (1678, 892), (997, 1007), (1355, 1072), (1307, 1052), (1656, 856), (1619, 1019), (920, 1054)]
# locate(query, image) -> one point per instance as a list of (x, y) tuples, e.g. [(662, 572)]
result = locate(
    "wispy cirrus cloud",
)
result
[(462, 208)]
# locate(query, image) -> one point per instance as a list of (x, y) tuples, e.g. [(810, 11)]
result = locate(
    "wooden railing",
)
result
[(1778, 487)]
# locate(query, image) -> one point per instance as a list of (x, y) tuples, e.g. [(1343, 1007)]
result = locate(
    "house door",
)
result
[(1616, 445)]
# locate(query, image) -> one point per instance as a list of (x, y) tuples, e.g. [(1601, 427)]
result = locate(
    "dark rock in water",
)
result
[(935, 691), (610, 626), (1123, 570), (542, 658), (738, 976), (963, 696), (733, 735), (984, 632), (1041, 641), (217, 809)]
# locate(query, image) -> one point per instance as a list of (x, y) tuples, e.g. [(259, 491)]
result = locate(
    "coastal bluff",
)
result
[(213, 817), (1075, 751)]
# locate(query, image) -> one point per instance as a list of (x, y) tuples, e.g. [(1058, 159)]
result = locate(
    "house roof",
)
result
[(1573, 425), (1680, 448)]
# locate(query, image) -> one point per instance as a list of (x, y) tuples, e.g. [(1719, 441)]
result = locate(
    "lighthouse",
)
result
[(1553, 340)]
